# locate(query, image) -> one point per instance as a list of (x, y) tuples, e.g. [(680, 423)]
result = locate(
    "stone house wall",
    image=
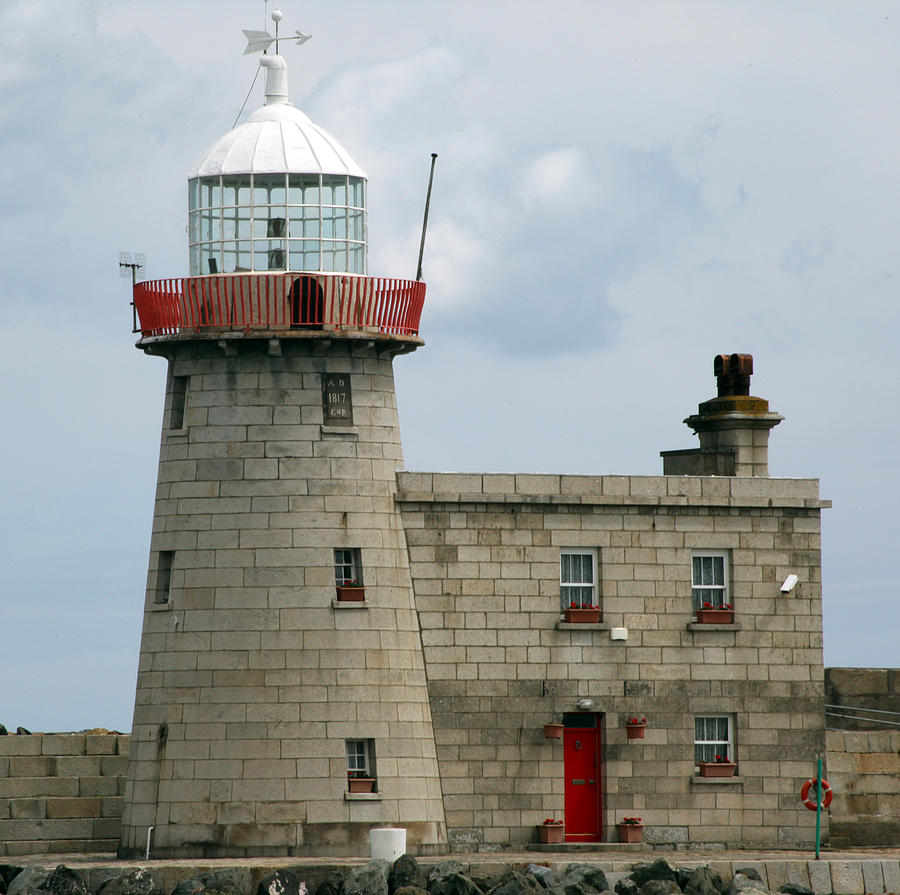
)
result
[(61, 793), (485, 558)]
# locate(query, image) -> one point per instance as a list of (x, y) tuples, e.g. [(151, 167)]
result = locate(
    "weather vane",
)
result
[(261, 40)]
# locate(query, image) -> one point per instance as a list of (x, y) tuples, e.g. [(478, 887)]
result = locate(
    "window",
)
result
[(347, 567), (361, 765), (578, 577), (709, 580), (713, 735), (177, 401), (163, 576)]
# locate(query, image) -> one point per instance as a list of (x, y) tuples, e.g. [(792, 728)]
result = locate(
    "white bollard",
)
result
[(387, 843)]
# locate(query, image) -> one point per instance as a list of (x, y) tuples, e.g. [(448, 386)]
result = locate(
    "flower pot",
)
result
[(551, 833), (553, 731), (635, 731), (361, 784), (348, 594), (582, 616), (717, 768), (715, 616), (630, 832)]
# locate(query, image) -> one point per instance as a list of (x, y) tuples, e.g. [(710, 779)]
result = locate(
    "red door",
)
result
[(581, 758)]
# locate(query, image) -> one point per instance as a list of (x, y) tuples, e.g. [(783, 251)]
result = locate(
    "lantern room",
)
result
[(277, 193)]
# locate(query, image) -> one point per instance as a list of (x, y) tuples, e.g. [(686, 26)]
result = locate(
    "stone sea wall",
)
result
[(61, 793)]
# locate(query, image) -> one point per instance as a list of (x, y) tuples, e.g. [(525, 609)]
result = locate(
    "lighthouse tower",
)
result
[(281, 704)]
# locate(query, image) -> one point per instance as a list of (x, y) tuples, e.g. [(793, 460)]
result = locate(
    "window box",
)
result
[(347, 593), (582, 616), (630, 832), (720, 616), (717, 768), (361, 784), (635, 729), (551, 831)]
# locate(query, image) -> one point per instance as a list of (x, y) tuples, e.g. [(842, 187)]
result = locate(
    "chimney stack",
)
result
[(733, 427)]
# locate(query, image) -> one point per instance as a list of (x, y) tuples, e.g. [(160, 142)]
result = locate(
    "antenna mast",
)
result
[(425, 219)]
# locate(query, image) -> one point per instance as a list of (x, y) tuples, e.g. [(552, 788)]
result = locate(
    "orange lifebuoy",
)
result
[(809, 798)]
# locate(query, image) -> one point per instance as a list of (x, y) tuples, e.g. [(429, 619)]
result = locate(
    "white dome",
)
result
[(277, 138)]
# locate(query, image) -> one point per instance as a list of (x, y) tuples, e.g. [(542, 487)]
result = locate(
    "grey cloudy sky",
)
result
[(623, 191)]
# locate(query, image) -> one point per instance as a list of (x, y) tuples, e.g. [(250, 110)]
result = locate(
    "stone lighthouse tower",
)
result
[(281, 704)]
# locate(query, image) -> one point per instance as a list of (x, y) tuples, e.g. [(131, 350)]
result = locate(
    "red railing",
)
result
[(282, 301)]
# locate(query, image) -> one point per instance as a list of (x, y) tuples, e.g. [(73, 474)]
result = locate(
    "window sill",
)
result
[(705, 626), (582, 626), (351, 432), (162, 607), (173, 433), (349, 604), (362, 796), (716, 781)]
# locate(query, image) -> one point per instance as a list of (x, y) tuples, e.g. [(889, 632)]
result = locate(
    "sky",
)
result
[(622, 192)]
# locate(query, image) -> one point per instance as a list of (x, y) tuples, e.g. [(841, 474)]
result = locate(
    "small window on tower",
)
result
[(177, 400), (361, 775), (164, 576)]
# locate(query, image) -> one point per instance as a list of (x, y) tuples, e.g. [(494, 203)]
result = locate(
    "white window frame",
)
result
[(347, 566), (583, 593), (707, 749), (718, 593)]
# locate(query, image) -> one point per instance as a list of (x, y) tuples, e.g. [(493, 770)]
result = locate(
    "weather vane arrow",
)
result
[(260, 41)]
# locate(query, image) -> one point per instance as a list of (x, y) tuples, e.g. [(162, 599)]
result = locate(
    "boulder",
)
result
[(544, 875), (3, 731), (659, 869), (442, 869), (750, 873), (702, 881), (405, 873), (588, 876), (333, 884), (626, 886), (744, 882), (370, 879), (8, 872), (65, 881), (410, 890), (23, 732), (28, 882), (135, 882), (795, 889), (517, 882), (221, 882), (660, 887), (452, 882), (281, 882)]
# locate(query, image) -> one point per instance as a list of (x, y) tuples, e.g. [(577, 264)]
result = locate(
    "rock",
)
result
[(28, 882), (23, 732), (659, 869), (333, 884), (443, 869), (795, 889), (583, 878), (3, 731), (135, 882), (281, 882), (222, 882), (660, 887), (544, 875), (743, 882), (626, 886), (517, 882), (452, 883), (370, 879), (65, 881), (410, 890), (405, 873), (750, 873), (8, 872), (702, 881)]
